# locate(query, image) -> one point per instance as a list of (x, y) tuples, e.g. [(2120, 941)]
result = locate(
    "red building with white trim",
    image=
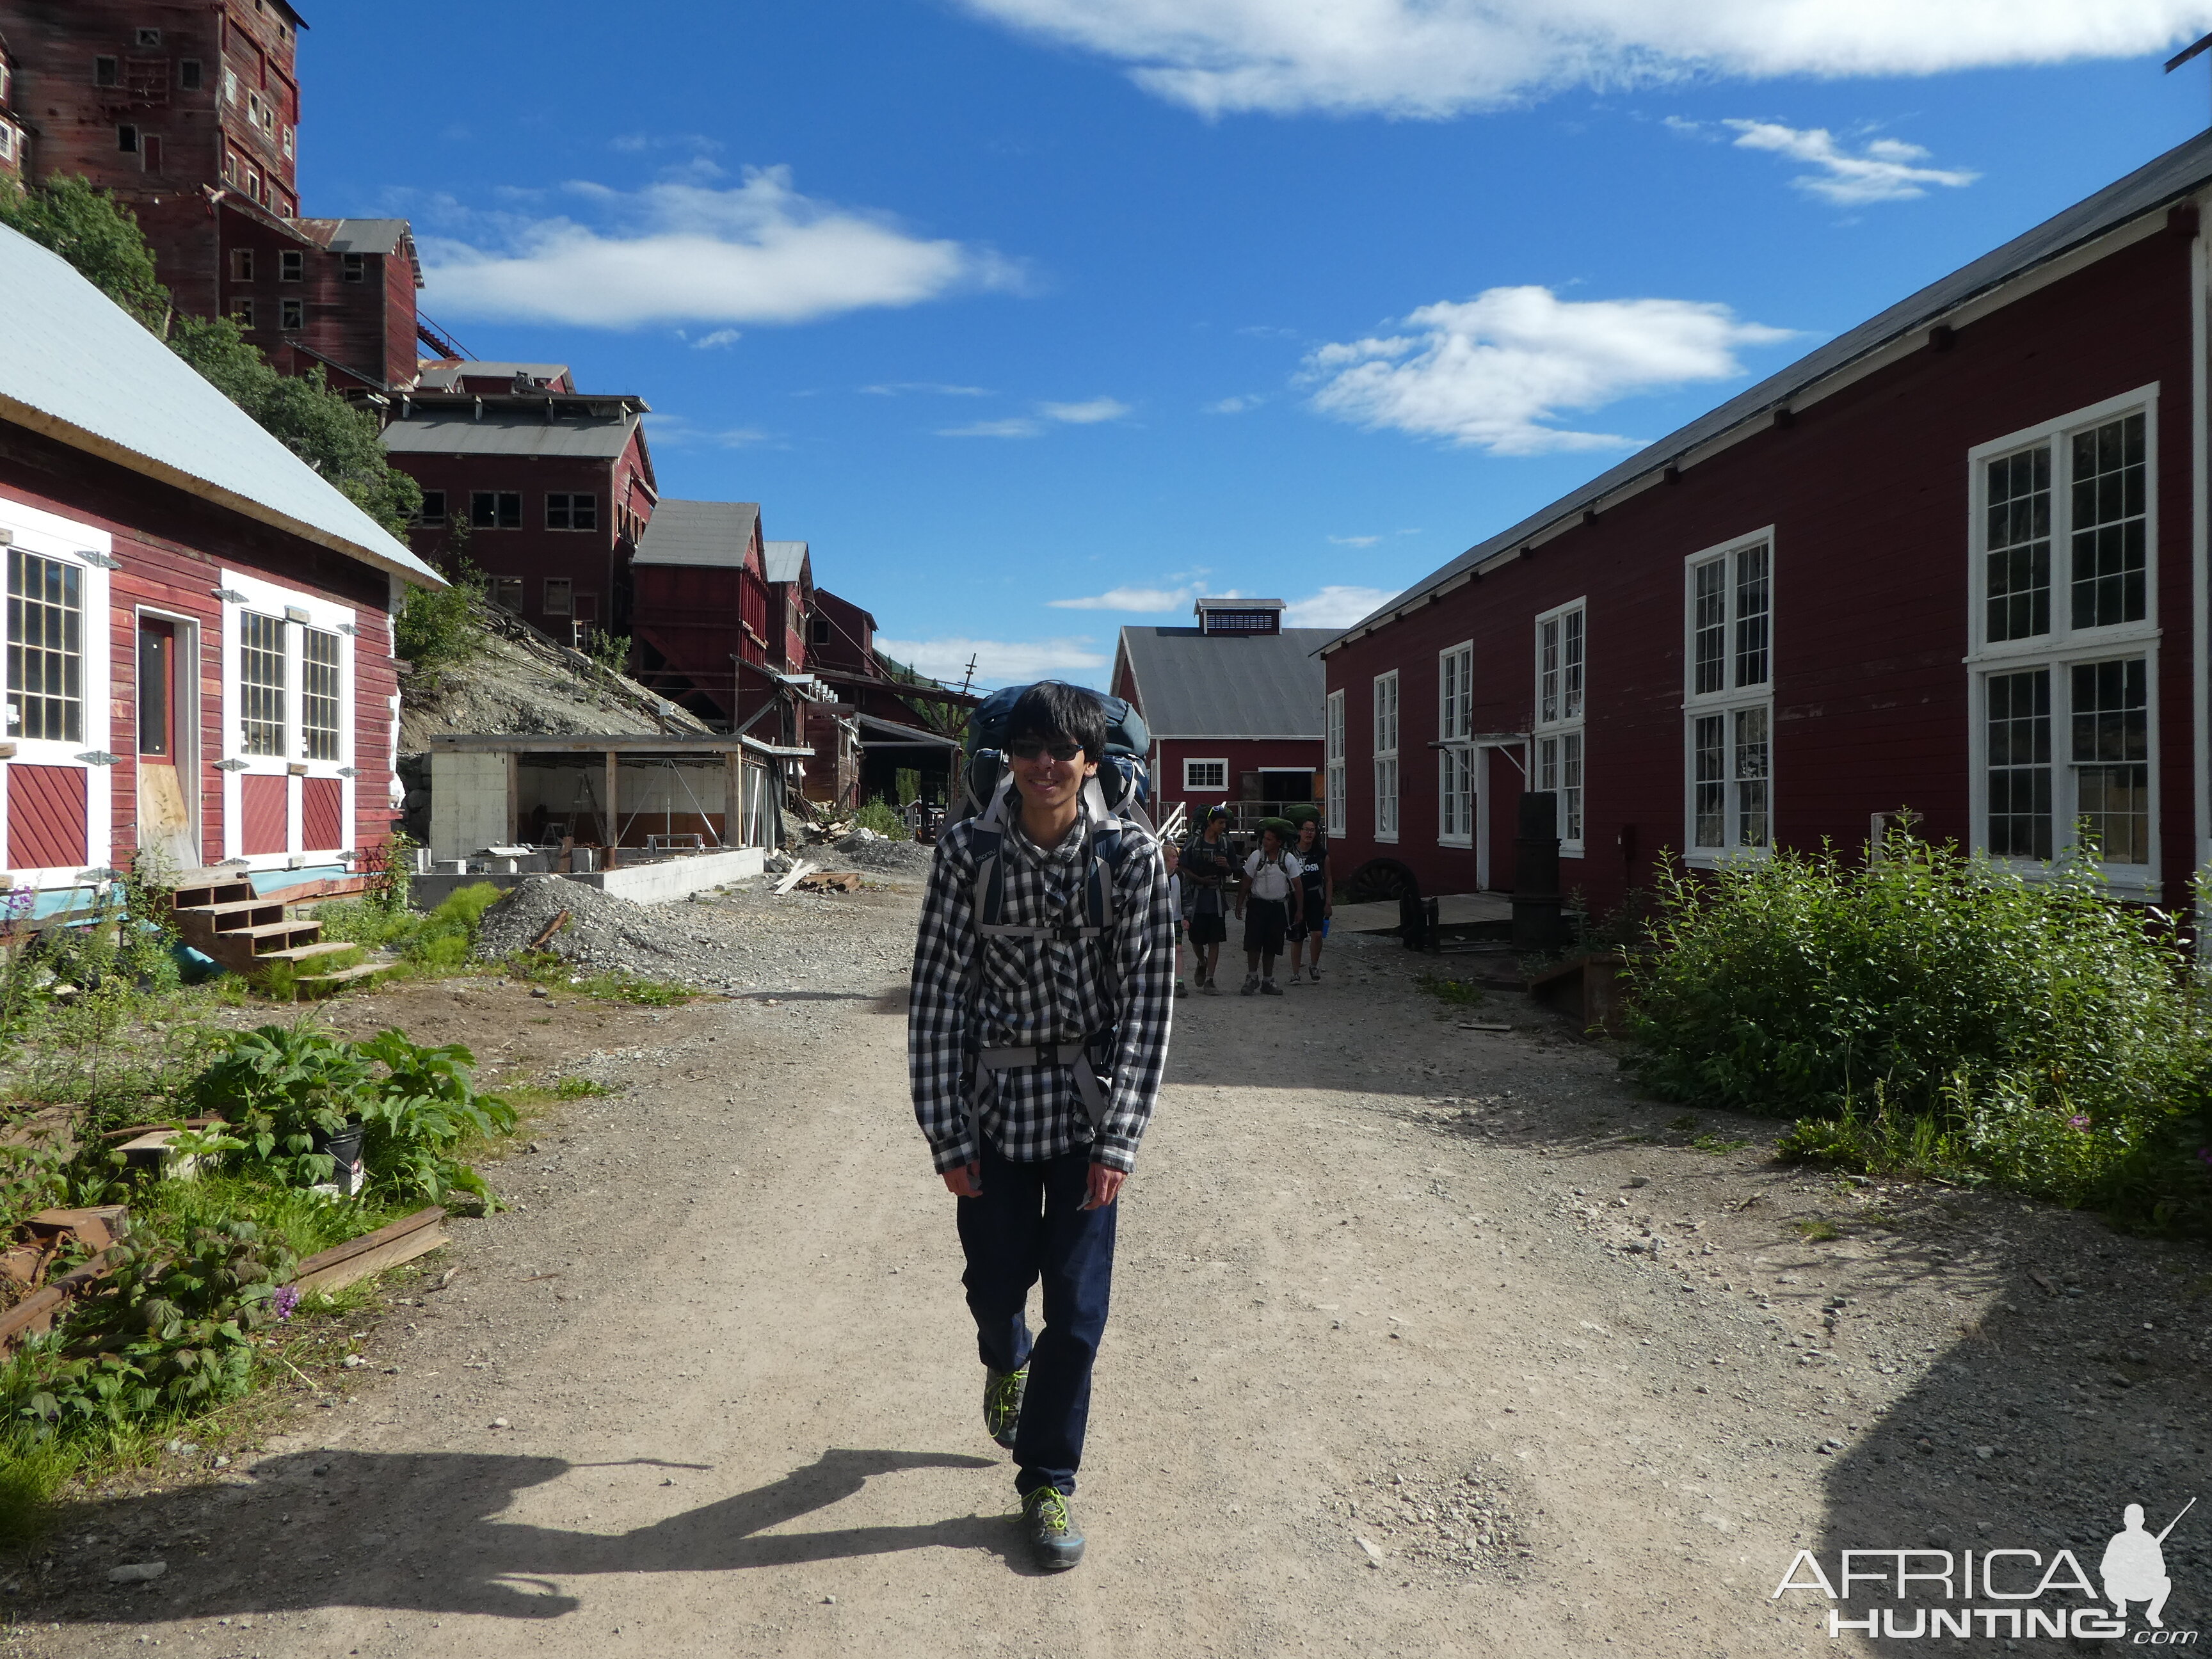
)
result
[(1952, 562)]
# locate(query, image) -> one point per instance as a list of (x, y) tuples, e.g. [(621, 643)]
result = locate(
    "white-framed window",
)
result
[(291, 265), (1556, 732), (2064, 634), (59, 706), (1205, 776), (288, 706), (1727, 699), (1385, 755), (1454, 760), (1333, 768)]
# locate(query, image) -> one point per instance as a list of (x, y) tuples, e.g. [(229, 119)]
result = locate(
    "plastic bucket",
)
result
[(345, 1148)]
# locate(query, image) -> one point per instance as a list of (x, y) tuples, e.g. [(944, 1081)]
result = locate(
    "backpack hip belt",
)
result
[(1077, 1054)]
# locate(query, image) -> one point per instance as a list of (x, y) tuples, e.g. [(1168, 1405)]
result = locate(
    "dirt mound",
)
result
[(604, 932), (864, 849)]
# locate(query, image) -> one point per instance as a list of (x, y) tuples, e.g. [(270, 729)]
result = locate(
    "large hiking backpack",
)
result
[(1124, 781)]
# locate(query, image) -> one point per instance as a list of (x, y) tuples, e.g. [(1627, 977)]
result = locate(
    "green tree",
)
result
[(101, 239)]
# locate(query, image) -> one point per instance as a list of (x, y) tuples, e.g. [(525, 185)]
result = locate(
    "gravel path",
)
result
[(1427, 1341)]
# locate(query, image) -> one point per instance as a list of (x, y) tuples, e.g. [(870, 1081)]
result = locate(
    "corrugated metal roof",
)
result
[(783, 562), (1229, 685), (510, 432), (355, 235), (445, 376), (699, 532), (76, 367), (2148, 189)]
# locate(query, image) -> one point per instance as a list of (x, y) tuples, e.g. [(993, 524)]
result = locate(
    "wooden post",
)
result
[(612, 830), (734, 798)]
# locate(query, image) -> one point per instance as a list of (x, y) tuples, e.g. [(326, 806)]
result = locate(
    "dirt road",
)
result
[(1426, 1340)]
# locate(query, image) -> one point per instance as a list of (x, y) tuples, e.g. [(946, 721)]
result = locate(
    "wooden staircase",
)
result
[(218, 913)]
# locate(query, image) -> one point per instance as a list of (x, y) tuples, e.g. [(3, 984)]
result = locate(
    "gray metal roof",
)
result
[(361, 235), (699, 532), (1229, 685), (510, 432), (783, 562), (2148, 189), (76, 367), (445, 376)]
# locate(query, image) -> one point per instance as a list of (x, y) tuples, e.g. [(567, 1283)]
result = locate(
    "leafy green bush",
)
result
[(879, 815), (426, 1105), (437, 629), (447, 936), (1933, 1011)]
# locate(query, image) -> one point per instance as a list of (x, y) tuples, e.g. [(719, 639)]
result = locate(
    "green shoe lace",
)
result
[(1047, 1507), (1002, 1403)]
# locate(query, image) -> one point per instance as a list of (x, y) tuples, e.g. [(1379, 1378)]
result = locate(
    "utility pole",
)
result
[(969, 679), (2188, 52)]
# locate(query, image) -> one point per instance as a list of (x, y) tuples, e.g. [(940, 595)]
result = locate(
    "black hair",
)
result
[(1057, 712)]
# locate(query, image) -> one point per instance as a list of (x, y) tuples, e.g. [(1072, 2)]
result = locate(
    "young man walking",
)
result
[(1316, 901), (1209, 867), (1035, 1042), (1269, 902)]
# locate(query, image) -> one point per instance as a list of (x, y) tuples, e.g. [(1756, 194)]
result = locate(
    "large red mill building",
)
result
[(190, 114), (1953, 561)]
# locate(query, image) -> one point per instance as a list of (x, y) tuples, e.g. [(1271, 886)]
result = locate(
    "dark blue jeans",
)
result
[(1030, 1224)]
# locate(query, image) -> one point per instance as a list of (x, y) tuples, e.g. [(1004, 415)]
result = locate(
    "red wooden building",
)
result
[(547, 492), (701, 610), (190, 114), (1953, 561), (200, 651), (1233, 707)]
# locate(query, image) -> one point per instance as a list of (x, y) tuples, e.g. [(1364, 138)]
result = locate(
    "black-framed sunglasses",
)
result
[(1030, 749)]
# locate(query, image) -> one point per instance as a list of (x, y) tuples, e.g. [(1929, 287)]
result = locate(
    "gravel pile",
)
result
[(864, 849), (744, 938), (1458, 1525)]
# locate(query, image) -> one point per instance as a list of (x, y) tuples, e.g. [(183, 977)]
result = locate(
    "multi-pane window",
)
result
[(46, 649), (1213, 774), (559, 597), (1386, 756), (572, 512), (434, 507), (1455, 724), (294, 313), (506, 590), (495, 509), (291, 264), (241, 313), (1557, 736), (261, 683), (318, 693), (1728, 700), (2062, 553), (1333, 773)]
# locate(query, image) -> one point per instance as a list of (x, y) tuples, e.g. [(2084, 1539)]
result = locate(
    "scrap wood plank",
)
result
[(548, 930), (36, 1313), (800, 869), (387, 1246)]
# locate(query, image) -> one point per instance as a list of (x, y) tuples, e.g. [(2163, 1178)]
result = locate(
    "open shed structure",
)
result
[(634, 799)]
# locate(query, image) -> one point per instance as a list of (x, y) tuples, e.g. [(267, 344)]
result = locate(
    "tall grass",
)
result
[(1931, 1011)]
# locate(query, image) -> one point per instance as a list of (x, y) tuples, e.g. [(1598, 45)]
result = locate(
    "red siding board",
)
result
[(261, 812), (47, 818)]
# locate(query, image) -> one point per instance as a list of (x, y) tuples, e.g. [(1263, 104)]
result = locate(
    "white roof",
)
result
[(77, 368)]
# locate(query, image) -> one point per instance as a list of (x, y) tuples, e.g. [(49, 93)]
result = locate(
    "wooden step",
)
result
[(340, 977), (193, 895), (278, 935), (329, 947), (227, 917)]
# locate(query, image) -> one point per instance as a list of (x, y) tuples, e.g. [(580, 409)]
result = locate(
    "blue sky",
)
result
[(1036, 317)]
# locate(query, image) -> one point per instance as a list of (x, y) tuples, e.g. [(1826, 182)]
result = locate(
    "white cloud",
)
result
[(1236, 406), (1438, 58), (1144, 601), (1497, 371), (759, 253), (1887, 171), (1335, 607), (900, 388), (1019, 427), (996, 660), (1025, 426), (721, 337), (1084, 414), (1355, 541)]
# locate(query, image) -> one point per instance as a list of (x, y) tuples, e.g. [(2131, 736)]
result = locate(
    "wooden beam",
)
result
[(611, 831), (387, 1246)]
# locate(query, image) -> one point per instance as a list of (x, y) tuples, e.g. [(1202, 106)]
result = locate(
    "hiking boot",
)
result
[(1251, 984), (1054, 1544), (1210, 989), (1314, 973), (1269, 989), (1181, 990), (1002, 1403)]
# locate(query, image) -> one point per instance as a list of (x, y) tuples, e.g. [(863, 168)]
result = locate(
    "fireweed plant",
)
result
[(1932, 1013)]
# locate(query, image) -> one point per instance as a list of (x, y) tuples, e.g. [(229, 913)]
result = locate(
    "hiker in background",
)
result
[(1269, 901), (1171, 857), (1316, 903), (1210, 868)]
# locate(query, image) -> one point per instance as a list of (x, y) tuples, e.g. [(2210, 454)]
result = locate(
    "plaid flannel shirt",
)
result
[(970, 992)]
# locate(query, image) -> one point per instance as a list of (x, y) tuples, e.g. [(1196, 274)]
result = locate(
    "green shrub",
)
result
[(437, 629), (447, 937), (426, 1105), (879, 815), (1932, 1011)]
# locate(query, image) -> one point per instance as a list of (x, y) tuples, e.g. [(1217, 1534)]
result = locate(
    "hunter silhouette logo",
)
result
[(2011, 1584)]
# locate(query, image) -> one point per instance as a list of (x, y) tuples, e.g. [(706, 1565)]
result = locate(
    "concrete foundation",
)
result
[(642, 884)]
